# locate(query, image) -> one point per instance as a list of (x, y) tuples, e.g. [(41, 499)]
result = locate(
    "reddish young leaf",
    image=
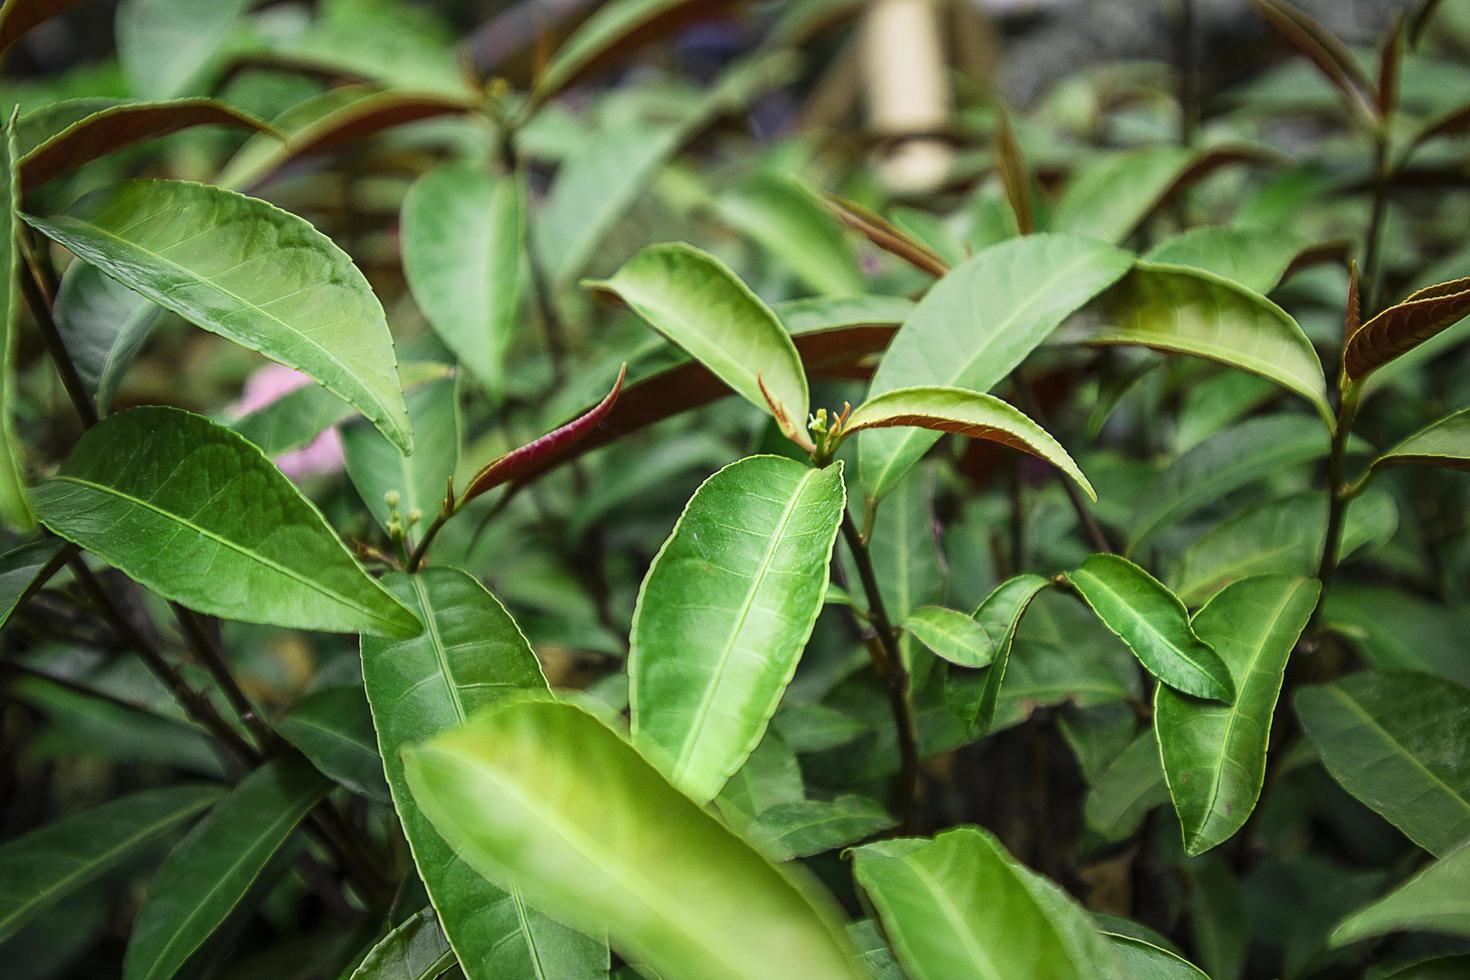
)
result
[(1405, 326), (517, 464), (1390, 57), (877, 229), (19, 16), (1013, 173), (1354, 317), (1324, 50)]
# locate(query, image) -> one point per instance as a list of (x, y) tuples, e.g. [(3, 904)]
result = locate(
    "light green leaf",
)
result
[(1144, 961), (1179, 310), (1126, 790), (254, 274), (1395, 740), (415, 950), (470, 656), (724, 614), (817, 727), (166, 46), (1256, 258), (104, 326), (333, 727), (421, 481), (699, 305), (1436, 899), (21, 567), (1155, 625), (546, 795), (1215, 755), (194, 512), (975, 325), (15, 512), (44, 866), (965, 413), (960, 906), (463, 245), (816, 313), (950, 635), (209, 873), (999, 615), (1443, 443), (802, 828), (1215, 403), (789, 221)]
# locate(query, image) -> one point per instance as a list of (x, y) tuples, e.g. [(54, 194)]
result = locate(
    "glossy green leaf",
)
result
[(696, 302), (1395, 740), (44, 866), (209, 873), (194, 512), (611, 29), (960, 906), (965, 413), (19, 16), (415, 950), (20, 568), (1404, 326), (724, 613), (256, 275), (951, 635), (1215, 755), (471, 655), (546, 795), (333, 727), (463, 245), (1436, 899), (421, 481), (1445, 442), (15, 511), (167, 46), (786, 219), (1153, 622), (1126, 790), (1180, 310), (1143, 960), (999, 615), (104, 326), (975, 325), (1256, 258)]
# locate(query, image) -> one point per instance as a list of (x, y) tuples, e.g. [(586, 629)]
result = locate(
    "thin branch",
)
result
[(39, 301)]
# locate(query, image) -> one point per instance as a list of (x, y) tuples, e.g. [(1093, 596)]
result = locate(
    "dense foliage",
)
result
[(1075, 588)]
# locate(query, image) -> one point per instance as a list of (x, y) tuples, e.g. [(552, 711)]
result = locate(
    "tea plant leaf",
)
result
[(827, 313), (1215, 756), (46, 865), (333, 727), (885, 235), (415, 950), (1436, 899), (471, 655), (951, 635), (118, 126), (104, 326), (977, 324), (209, 873), (1256, 258), (1179, 310), (21, 568), (256, 275), (463, 245), (1331, 57), (1445, 442), (421, 481), (1153, 622), (1126, 790), (166, 46), (17, 17), (699, 305), (15, 511), (1404, 326), (194, 512), (965, 413), (999, 615), (802, 828), (1395, 740), (724, 613), (546, 795), (1144, 961), (960, 906), (786, 219)]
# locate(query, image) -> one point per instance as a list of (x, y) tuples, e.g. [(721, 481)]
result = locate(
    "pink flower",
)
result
[(270, 384)]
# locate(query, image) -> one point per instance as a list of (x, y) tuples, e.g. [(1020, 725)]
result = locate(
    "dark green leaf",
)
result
[(802, 828), (333, 727), (15, 512), (415, 950), (1144, 961), (1442, 443), (420, 481), (999, 616), (104, 326), (21, 568), (1437, 899), (1127, 790)]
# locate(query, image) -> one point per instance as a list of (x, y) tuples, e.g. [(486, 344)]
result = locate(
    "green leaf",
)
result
[(209, 873), (950, 635), (1445, 442), (471, 655), (802, 828), (975, 325), (786, 219), (1215, 403), (117, 126), (167, 46), (817, 727), (421, 481), (1179, 310), (818, 313), (546, 795), (104, 326), (1436, 899), (194, 512), (415, 950), (15, 511), (612, 28), (1126, 790), (463, 244), (699, 305), (999, 615), (1256, 258), (960, 906), (724, 614), (1215, 755), (333, 727), (1393, 629), (1395, 740), (1153, 622), (254, 274), (21, 568), (1143, 960), (965, 413), (19, 16), (1404, 326), (44, 866)]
